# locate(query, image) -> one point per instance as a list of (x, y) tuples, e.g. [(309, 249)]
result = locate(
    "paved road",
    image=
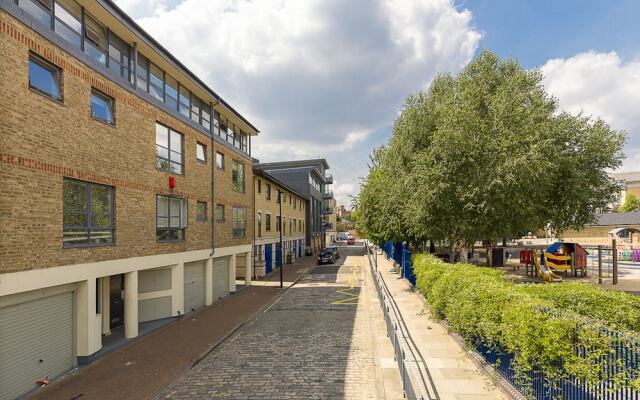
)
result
[(314, 342)]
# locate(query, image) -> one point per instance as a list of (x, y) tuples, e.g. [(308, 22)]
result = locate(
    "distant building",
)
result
[(330, 220), (309, 179), (623, 226), (631, 186), (343, 213)]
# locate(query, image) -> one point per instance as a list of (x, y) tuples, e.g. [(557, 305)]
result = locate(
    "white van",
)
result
[(343, 235)]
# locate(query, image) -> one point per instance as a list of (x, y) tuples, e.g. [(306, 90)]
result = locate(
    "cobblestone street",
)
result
[(314, 342)]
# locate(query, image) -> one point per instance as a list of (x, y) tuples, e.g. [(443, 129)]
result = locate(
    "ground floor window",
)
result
[(87, 213), (239, 222)]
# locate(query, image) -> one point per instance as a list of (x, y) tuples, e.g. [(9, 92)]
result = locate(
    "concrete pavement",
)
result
[(454, 374)]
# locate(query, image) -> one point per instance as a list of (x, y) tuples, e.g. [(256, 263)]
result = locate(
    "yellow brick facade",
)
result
[(294, 224)]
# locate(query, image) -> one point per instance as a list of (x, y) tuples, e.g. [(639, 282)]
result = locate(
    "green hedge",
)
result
[(541, 325)]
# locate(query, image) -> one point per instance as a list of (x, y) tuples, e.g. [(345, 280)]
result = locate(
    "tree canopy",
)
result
[(486, 154), (631, 203)]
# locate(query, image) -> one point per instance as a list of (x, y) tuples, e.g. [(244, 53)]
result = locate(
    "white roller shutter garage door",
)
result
[(193, 286), (36, 341)]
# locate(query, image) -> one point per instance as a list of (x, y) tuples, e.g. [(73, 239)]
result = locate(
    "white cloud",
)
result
[(601, 85), (317, 77)]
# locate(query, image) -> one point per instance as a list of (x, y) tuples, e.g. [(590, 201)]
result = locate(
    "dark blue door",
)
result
[(267, 258), (278, 255)]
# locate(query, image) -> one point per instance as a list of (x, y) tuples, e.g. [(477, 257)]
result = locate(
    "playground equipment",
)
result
[(542, 269), (566, 257)]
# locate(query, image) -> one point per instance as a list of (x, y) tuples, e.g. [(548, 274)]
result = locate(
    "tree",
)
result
[(486, 154), (631, 203)]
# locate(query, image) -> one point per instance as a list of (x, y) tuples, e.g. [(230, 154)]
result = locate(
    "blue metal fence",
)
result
[(534, 384)]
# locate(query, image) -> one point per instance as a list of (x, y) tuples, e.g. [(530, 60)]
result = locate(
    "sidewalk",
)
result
[(454, 374), (143, 367)]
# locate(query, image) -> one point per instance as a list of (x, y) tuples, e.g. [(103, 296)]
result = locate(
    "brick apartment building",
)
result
[(310, 179), (126, 190), (271, 217)]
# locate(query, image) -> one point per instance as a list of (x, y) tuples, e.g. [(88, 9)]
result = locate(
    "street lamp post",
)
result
[(281, 251)]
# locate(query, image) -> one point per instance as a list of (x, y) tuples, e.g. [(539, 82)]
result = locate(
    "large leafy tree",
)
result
[(631, 203), (486, 154)]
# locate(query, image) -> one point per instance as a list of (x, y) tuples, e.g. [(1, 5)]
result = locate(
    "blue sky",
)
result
[(536, 30), (326, 78)]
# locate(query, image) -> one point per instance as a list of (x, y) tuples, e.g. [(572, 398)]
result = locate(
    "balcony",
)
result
[(328, 194), (327, 211), (329, 226), (328, 179)]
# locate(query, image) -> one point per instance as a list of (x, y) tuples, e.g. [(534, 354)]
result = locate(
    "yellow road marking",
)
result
[(355, 263)]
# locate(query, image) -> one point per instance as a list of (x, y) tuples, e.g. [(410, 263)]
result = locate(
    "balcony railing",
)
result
[(328, 194), (328, 179), (327, 211)]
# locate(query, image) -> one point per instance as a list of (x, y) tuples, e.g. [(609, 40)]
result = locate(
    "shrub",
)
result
[(543, 326)]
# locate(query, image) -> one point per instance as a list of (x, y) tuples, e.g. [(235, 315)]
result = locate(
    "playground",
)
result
[(615, 268)]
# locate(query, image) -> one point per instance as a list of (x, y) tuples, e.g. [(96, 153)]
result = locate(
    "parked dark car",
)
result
[(326, 256), (335, 251)]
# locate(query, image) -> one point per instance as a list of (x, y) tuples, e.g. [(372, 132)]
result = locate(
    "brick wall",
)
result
[(43, 141), (272, 207)]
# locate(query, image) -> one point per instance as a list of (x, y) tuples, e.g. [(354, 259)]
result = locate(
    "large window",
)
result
[(156, 82), (171, 92), (38, 9), (142, 73), (102, 107), (171, 218), (237, 176), (239, 222), (119, 56), (68, 22), (87, 213), (267, 222), (168, 150), (267, 192), (95, 43), (44, 77), (278, 219)]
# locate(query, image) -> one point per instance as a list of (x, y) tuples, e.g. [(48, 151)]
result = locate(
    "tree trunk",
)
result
[(464, 252), (432, 246), (490, 253)]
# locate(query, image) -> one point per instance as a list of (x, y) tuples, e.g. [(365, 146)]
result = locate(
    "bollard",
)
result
[(615, 261), (600, 264)]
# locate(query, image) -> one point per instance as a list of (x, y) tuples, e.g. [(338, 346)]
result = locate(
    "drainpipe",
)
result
[(213, 181)]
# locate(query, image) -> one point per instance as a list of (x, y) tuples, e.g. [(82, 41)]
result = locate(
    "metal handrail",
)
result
[(402, 341)]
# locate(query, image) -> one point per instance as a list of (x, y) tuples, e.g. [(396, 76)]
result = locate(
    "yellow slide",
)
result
[(545, 273), (550, 260)]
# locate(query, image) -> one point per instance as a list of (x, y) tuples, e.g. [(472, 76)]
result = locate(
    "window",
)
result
[(219, 212), (87, 213), (201, 152), (244, 146), (267, 222), (171, 218), (219, 160), (142, 73), (38, 9), (68, 21), (300, 225), (278, 196), (259, 186), (259, 224), (202, 211), (239, 222), (268, 192), (171, 92), (185, 102), (196, 106), (156, 82), (95, 44), (237, 176), (44, 77), (102, 107), (119, 56), (168, 150), (278, 223), (295, 203)]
